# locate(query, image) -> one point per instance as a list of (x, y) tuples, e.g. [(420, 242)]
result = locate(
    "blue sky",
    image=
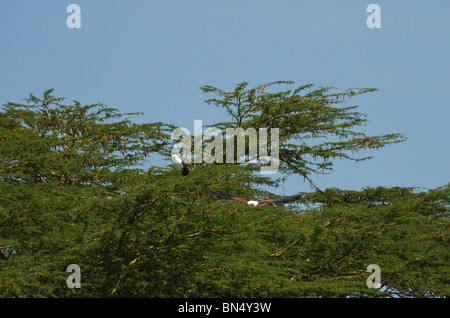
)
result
[(152, 57)]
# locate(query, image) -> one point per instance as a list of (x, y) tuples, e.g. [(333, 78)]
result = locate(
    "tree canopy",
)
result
[(73, 190)]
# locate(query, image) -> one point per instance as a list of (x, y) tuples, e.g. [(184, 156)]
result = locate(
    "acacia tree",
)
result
[(314, 128), (58, 164), (45, 140), (72, 191)]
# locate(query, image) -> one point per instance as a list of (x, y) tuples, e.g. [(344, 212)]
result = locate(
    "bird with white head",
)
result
[(253, 203)]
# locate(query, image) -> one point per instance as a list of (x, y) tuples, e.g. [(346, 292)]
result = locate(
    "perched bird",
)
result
[(180, 164), (252, 203)]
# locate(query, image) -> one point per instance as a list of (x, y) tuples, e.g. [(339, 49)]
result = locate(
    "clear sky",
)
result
[(152, 57)]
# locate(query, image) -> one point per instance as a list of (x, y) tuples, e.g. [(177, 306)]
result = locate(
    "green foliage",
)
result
[(312, 126), (72, 192), (46, 140)]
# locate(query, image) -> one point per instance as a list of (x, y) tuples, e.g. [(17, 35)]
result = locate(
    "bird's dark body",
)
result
[(184, 169)]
